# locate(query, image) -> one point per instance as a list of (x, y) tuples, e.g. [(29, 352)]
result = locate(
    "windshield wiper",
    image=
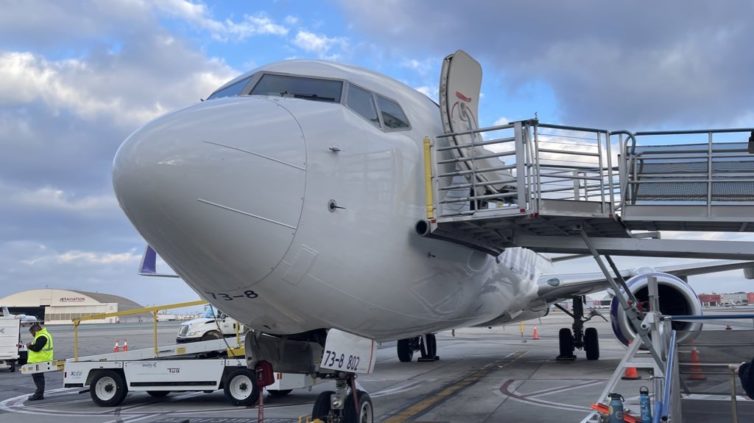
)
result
[(314, 97)]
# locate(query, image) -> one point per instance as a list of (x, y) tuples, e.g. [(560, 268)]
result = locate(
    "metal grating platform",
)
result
[(490, 188)]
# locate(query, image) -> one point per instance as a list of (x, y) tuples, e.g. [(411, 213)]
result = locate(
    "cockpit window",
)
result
[(231, 90), (361, 101), (299, 87), (392, 114)]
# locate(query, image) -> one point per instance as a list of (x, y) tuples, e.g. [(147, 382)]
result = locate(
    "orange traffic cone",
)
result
[(116, 348), (696, 368), (535, 334), (631, 374), (125, 345)]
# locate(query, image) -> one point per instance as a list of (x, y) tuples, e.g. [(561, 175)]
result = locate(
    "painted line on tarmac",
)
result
[(396, 389), (560, 389), (426, 404), (511, 392), (124, 414)]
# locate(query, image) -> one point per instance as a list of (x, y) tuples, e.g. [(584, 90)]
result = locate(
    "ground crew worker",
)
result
[(40, 350)]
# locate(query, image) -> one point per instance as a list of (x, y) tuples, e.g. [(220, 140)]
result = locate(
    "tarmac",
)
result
[(483, 375)]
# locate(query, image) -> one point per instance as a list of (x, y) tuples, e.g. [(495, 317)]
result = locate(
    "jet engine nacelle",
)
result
[(676, 298)]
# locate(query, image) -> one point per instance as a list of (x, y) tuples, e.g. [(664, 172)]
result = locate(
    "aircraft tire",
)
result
[(591, 344), (405, 352), (565, 339), (365, 413), (321, 408)]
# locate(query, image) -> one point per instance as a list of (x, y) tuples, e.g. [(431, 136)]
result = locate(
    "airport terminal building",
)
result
[(59, 306)]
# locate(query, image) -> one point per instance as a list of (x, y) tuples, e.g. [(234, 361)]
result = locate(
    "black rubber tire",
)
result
[(405, 352), (240, 387), (321, 408), (108, 381), (213, 334), (429, 350), (366, 414), (591, 344), (12, 366), (158, 394), (565, 339), (279, 392)]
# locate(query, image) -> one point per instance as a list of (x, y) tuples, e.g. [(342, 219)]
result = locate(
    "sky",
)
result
[(77, 77)]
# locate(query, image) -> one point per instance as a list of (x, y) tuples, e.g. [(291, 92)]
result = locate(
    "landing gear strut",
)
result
[(346, 404), (581, 339), (425, 344)]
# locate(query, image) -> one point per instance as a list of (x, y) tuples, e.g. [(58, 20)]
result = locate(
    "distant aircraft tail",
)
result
[(6, 312), (148, 265)]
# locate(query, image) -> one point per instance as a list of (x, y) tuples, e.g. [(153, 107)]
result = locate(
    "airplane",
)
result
[(289, 199), (25, 319)]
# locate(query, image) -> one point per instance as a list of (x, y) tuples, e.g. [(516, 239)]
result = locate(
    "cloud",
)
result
[(25, 78), (502, 120), (431, 92), (198, 15), (58, 200), (75, 257), (62, 118), (673, 69), (318, 43), (422, 67)]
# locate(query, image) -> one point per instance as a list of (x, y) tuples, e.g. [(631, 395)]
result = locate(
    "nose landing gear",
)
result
[(347, 404)]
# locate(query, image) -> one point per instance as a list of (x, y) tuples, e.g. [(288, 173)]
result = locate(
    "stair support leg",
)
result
[(632, 312)]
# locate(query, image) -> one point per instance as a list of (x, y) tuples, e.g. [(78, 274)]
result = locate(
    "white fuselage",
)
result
[(235, 194)]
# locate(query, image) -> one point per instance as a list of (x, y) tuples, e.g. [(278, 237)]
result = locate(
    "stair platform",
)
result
[(530, 184)]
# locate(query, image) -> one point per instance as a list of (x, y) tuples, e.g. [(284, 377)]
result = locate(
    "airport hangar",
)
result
[(59, 306)]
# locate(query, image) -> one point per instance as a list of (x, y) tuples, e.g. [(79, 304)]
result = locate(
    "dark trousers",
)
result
[(39, 380)]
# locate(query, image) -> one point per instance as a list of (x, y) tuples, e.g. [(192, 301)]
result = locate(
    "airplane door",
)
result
[(460, 86), (460, 89)]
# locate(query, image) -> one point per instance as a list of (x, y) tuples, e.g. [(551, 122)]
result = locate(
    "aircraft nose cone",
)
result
[(217, 189)]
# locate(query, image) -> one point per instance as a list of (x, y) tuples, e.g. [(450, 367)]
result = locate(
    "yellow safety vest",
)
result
[(46, 353)]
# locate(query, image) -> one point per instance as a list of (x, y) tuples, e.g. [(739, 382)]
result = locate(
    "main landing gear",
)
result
[(425, 344), (347, 404), (580, 338)]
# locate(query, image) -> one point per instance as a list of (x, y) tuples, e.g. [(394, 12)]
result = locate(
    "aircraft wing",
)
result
[(556, 287)]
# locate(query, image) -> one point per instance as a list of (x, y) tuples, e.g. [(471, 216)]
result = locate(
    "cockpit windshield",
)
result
[(299, 87), (231, 90)]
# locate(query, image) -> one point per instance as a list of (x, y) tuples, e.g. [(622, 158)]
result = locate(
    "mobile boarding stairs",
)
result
[(586, 191), (556, 189)]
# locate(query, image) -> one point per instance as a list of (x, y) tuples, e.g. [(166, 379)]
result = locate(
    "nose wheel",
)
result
[(346, 404)]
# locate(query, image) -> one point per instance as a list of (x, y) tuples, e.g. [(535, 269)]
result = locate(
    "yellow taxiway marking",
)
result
[(427, 403)]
